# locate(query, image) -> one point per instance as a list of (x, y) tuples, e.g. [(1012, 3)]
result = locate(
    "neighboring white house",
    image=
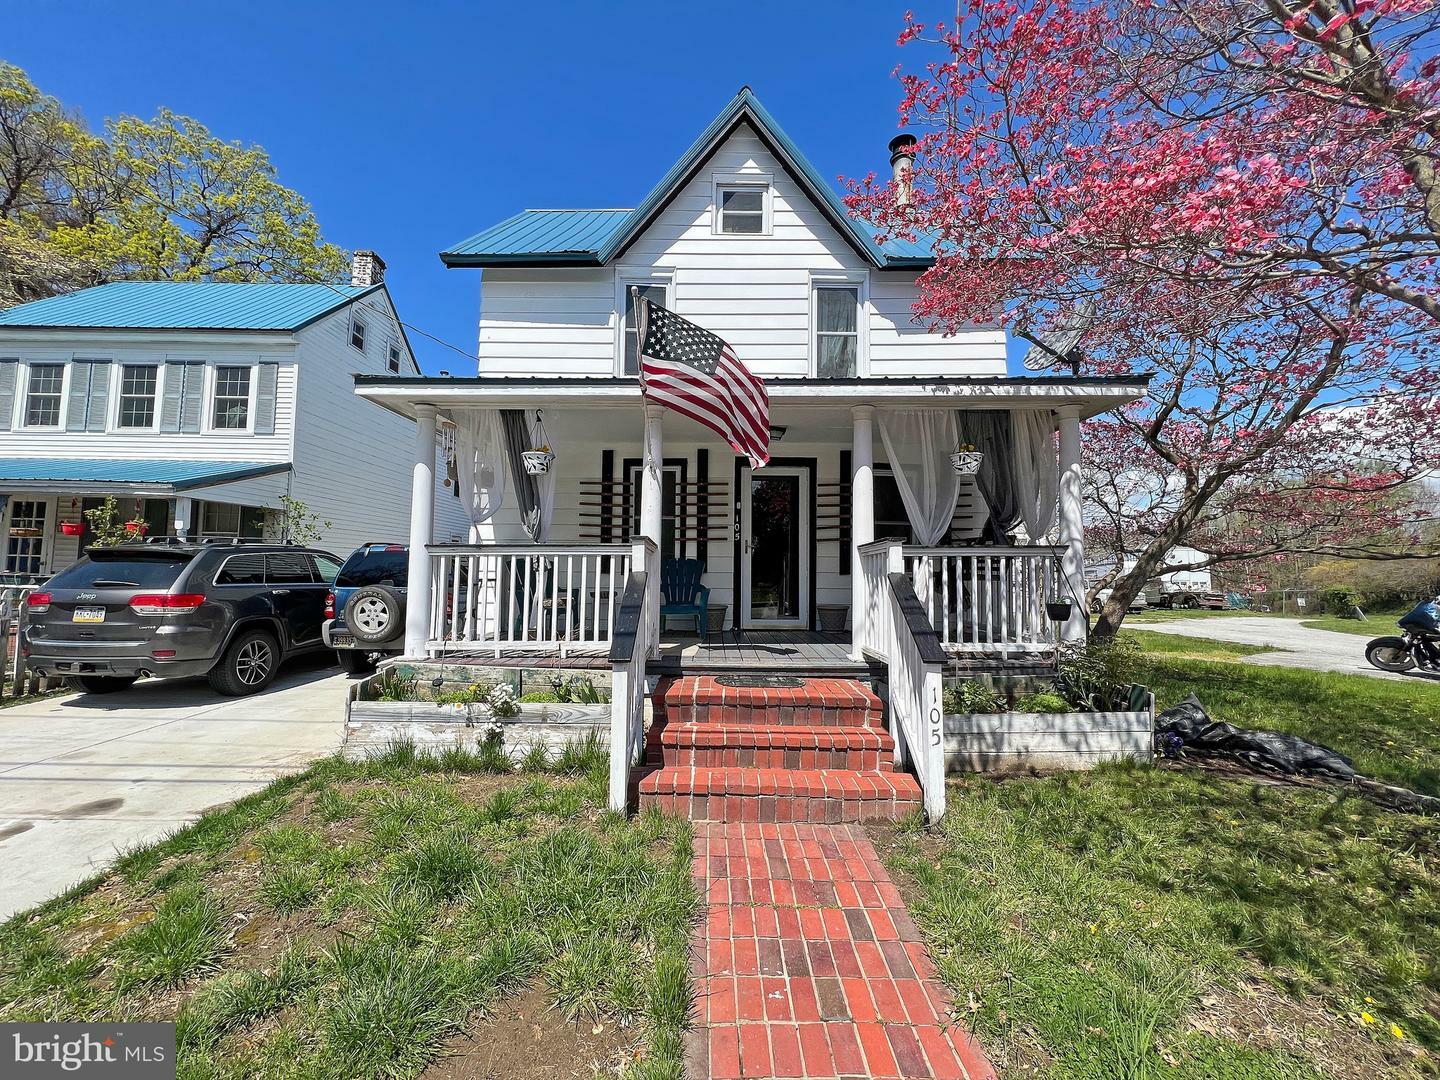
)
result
[(197, 405), (743, 237)]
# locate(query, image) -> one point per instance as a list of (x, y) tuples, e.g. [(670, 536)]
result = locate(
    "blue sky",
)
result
[(409, 127)]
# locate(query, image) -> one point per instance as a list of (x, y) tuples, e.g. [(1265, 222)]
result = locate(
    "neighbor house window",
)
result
[(232, 398), (741, 209), (227, 519), (357, 334), (656, 295), (837, 336), (25, 545), (392, 358), (42, 395), (137, 395)]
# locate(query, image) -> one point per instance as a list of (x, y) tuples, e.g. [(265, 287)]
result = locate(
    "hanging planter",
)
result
[(1058, 610), (138, 528), (966, 460), (71, 528), (537, 461)]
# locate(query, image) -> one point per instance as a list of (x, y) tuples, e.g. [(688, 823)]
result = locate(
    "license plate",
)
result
[(88, 614), (342, 641)]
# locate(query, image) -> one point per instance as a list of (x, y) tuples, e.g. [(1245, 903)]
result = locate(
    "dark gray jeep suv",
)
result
[(233, 611)]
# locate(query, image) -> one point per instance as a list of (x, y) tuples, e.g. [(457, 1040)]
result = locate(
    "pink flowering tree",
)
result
[(1238, 196)]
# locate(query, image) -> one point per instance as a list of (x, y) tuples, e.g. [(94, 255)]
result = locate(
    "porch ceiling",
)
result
[(789, 398)]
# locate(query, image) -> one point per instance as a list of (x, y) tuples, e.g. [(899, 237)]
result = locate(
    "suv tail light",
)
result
[(38, 602), (329, 605), (166, 603)]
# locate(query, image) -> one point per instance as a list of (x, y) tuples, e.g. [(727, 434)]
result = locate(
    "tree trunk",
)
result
[(1130, 584)]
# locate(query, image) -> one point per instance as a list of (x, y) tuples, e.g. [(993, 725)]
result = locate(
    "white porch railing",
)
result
[(988, 599), (895, 629), (636, 640), (547, 598)]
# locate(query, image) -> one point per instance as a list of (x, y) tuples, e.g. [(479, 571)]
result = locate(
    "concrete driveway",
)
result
[(1294, 645), (85, 777)]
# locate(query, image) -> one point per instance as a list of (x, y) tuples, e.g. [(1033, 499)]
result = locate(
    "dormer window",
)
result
[(742, 209), (392, 358), (357, 334)]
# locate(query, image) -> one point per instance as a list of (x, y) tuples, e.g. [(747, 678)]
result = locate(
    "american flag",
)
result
[(695, 373)]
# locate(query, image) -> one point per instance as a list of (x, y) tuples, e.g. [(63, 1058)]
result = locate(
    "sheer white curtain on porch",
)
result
[(479, 465), (1036, 476), (918, 444)]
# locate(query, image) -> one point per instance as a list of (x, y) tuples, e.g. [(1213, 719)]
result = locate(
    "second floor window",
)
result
[(42, 395), (232, 399), (837, 336), (392, 359), (357, 334), (656, 295), (137, 395)]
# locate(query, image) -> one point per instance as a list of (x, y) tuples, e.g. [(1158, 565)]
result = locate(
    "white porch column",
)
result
[(181, 509), (1072, 524), (862, 513), (422, 530), (652, 495)]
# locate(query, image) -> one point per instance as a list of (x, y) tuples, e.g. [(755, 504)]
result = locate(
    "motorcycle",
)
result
[(1417, 646)]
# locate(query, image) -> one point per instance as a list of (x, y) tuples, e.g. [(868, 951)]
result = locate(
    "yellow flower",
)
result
[(1366, 1018), (1094, 928), (1369, 1000), (1395, 1030)]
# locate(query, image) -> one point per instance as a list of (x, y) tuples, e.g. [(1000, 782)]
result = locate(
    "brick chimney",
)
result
[(366, 269), (902, 165)]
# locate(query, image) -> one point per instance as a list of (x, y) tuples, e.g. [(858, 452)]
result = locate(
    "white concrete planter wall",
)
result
[(1010, 742), (373, 726)]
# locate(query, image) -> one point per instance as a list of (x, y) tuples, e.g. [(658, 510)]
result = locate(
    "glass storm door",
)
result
[(775, 547)]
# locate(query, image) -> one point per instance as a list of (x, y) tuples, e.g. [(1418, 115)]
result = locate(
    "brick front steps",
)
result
[(815, 753)]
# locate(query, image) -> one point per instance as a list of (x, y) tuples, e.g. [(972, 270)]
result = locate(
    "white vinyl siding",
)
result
[(755, 291)]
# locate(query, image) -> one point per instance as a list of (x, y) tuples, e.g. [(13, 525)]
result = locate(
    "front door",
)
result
[(776, 546)]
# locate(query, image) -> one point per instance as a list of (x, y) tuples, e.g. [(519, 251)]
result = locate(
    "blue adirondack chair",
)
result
[(682, 594)]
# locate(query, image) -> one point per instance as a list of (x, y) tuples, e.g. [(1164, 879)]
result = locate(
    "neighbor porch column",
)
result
[(1072, 524), (181, 510), (422, 530), (862, 513)]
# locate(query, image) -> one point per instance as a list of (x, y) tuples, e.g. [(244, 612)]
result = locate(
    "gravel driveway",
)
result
[(86, 776), (1295, 645)]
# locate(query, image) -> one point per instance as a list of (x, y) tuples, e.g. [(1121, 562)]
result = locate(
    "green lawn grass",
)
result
[(1149, 922), (1373, 627), (347, 921), (1164, 922)]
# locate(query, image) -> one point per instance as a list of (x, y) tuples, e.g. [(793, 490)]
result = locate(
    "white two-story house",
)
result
[(197, 406), (802, 558)]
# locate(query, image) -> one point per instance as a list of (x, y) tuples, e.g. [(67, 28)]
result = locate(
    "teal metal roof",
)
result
[(186, 305), (595, 237), (177, 474)]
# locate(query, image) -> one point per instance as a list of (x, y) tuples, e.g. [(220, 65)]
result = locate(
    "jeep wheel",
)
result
[(249, 664), (355, 661), (102, 684), (375, 613)]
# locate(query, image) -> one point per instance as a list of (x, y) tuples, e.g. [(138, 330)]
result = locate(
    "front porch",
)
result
[(783, 550)]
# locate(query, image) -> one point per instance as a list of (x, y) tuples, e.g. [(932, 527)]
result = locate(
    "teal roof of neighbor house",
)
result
[(186, 305), (594, 237), (177, 474)]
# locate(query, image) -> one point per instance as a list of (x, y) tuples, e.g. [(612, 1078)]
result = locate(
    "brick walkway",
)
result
[(808, 964)]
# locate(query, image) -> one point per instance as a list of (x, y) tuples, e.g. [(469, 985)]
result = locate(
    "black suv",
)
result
[(231, 610)]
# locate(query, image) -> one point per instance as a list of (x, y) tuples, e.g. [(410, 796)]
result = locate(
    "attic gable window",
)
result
[(392, 358), (741, 209), (357, 334)]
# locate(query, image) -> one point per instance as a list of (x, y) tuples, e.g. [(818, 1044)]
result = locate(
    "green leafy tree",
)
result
[(294, 522), (107, 526), (160, 199)]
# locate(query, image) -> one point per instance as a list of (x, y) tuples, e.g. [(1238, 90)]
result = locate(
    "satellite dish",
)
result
[(1061, 339)]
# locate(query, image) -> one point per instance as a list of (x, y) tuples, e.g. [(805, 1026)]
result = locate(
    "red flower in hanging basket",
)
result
[(139, 528), (71, 528)]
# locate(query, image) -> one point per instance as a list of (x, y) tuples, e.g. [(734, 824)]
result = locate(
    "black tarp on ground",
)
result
[(1290, 754)]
